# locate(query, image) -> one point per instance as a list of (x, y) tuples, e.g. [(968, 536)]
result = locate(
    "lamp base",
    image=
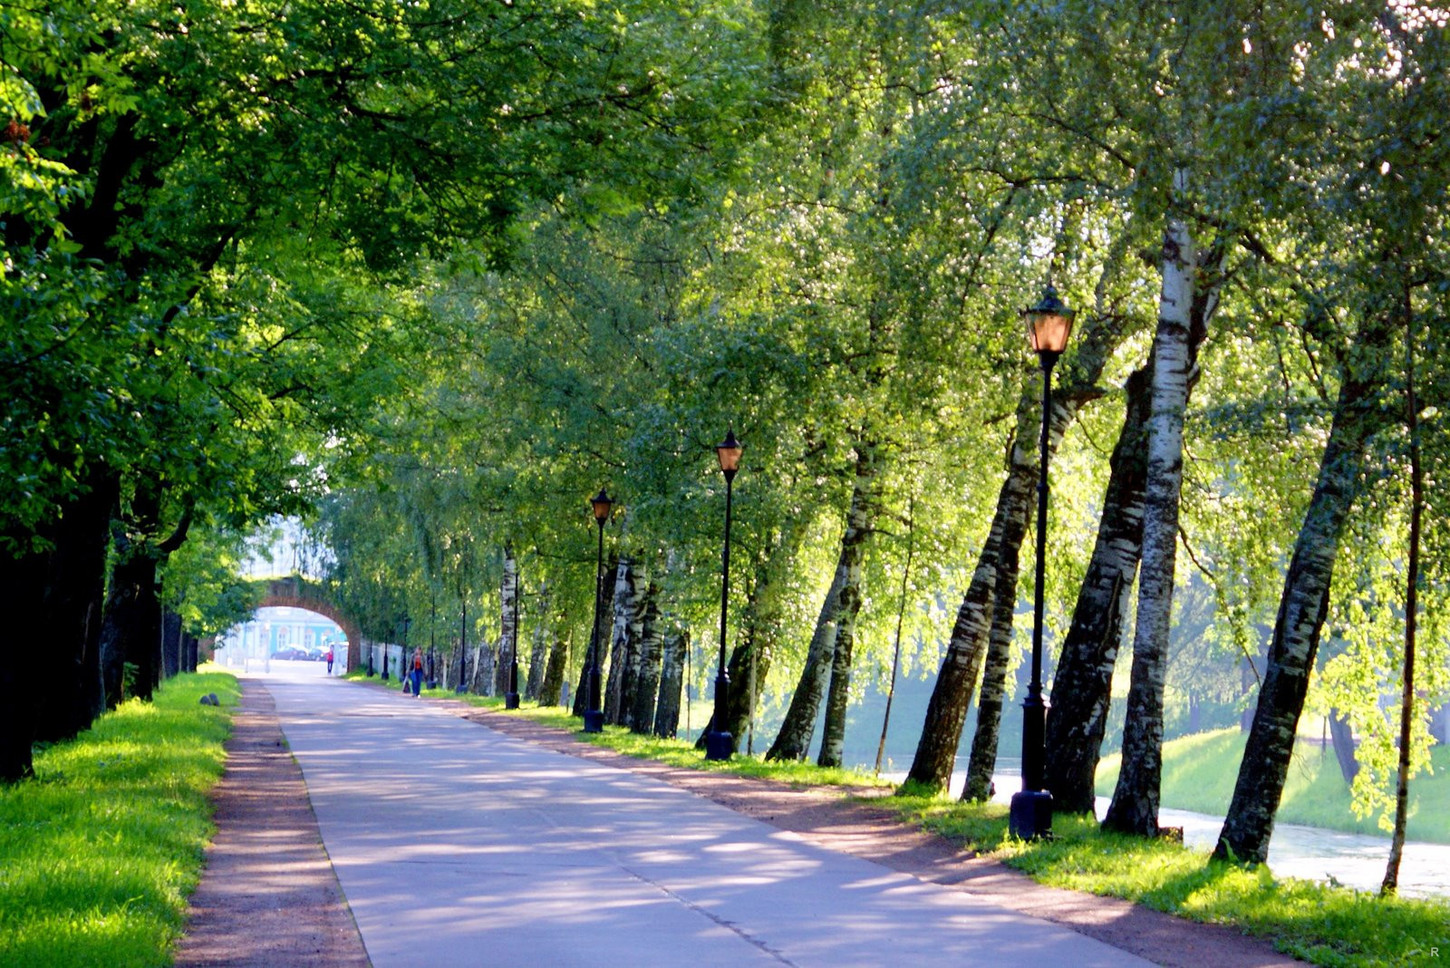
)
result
[(511, 700), (719, 746), (1031, 815), (593, 720)]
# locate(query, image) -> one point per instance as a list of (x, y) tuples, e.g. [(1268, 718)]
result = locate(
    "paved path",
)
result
[(458, 845)]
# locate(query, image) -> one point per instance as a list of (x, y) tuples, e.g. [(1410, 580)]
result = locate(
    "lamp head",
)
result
[(1049, 323), (602, 504), (728, 451)]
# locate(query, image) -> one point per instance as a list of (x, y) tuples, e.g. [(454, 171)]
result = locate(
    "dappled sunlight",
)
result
[(451, 838)]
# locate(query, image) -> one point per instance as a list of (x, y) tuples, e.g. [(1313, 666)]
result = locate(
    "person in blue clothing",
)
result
[(416, 673)]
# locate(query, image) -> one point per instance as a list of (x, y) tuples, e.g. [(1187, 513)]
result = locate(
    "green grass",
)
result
[(1324, 925), (1199, 772), (99, 852)]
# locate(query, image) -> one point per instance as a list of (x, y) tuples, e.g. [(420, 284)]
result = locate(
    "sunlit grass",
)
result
[(1199, 773), (99, 852), (1321, 924)]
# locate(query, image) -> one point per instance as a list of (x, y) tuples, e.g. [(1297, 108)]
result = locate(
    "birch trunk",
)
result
[(859, 523), (647, 680), (1082, 682), (672, 678), (947, 709), (642, 603), (1302, 607), (604, 602), (1134, 808), (538, 651), (558, 667), (508, 634), (794, 739), (623, 638), (1391, 882), (983, 759)]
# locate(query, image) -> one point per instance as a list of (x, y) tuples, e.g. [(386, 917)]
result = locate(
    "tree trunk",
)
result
[(1082, 683), (1302, 607), (1341, 737), (1412, 607), (623, 638), (539, 651), (672, 677), (990, 699), (640, 590), (485, 669), (604, 602), (947, 710), (859, 524), (22, 584), (794, 739), (508, 634), (558, 668), (646, 684), (842, 602), (171, 645), (66, 675), (1134, 808)]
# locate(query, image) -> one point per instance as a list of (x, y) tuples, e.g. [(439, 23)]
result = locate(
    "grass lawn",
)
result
[(99, 853), (1199, 772)]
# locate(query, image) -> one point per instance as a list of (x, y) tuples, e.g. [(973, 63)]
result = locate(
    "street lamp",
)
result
[(385, 662), (511, 697), (719, 744), (1049, 323), (593, 714)]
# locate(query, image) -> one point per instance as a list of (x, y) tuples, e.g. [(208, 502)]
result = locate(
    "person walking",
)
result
[(417, 672), (328, 657)]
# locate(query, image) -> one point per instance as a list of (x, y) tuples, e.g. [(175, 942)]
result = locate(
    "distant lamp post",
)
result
[(511, 696), (593, 714), (385, 662), (719, 744), (1049, 323)]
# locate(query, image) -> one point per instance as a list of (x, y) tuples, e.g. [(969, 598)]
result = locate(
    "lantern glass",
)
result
[(729, 451), (1049, 323), (603, 504)]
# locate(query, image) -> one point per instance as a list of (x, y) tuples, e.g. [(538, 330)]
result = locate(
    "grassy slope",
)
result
[(1199, 773), (100, 852)]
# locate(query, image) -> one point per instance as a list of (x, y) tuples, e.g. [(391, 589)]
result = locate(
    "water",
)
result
[(1307, 853)]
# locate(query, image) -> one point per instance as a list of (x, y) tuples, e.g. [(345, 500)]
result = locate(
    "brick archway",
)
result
[(297, 592)]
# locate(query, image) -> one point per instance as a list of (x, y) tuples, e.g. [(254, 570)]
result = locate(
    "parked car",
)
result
[(290, 653)]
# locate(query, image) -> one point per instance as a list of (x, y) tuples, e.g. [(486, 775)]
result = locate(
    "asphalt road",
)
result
[(457, 845)]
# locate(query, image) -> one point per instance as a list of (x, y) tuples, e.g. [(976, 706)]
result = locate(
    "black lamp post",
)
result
[(511, 697), (1049, 323), (593, 714), (385, 663), (719, 744)]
